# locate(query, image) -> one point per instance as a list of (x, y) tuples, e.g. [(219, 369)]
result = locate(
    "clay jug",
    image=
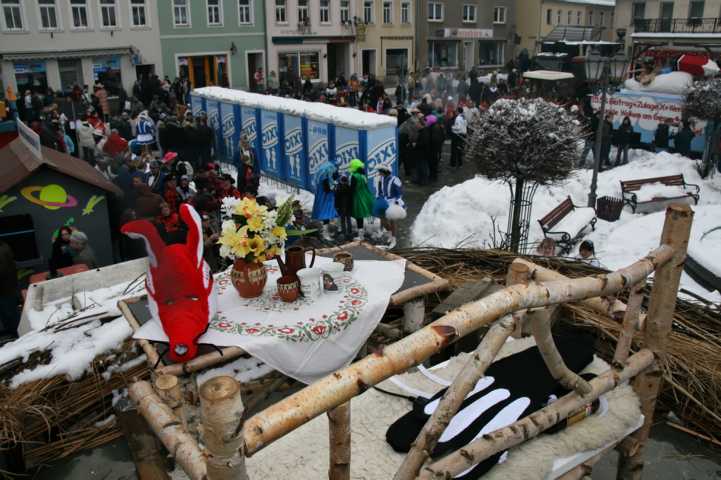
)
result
[(294, 260)]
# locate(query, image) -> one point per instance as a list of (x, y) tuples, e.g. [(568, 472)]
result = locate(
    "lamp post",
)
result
[(599, 67)]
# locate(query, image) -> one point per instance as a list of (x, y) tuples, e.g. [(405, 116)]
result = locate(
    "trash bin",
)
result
[(609, 208)]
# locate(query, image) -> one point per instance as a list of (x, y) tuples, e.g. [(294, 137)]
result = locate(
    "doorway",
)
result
[(468, 56), (254, 61), (369, 62), (144, 71), (337, 60), (204, 70)]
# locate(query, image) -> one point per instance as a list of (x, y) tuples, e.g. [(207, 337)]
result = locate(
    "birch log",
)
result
[(202, 362), (518, 273), (630, 320), (150, 353), (168, 389), (462, 385), (540, 323), (340, 442), (535, 423), (662, 304), (414, 313), (168, 428), (221, 414), (342, 385)]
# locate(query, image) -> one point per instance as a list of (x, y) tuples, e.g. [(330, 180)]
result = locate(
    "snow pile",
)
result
[(243, 369), (651, 191), (464, 215), (321, 112), (705, 243), (676, 83)]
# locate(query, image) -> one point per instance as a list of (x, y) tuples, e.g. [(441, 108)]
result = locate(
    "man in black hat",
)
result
[(587, 253)]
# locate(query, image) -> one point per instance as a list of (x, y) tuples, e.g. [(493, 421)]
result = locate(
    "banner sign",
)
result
[(30, 139), (647, 110), (291, 147)]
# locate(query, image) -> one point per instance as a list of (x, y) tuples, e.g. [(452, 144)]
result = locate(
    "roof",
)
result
[(17, 163), (597, 3), (551, 75), (573, 33)]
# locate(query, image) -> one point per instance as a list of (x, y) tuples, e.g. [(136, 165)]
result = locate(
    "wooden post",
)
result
[(630, 321), (150, 353), (221, 414), (531, 426), (453, 398), (659, 320), (169, 391), (518, 273), (168, 429), (414, 313), (340, 438)]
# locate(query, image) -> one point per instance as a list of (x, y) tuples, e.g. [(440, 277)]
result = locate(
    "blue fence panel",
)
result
[(213, 111), (270, 163), (346, 147), (295, 157), (317, 147)]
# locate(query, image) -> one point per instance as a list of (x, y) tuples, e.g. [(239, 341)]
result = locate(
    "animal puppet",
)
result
[(179, 283)]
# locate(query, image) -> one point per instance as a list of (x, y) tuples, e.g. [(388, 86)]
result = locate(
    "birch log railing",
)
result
[(338, 388)]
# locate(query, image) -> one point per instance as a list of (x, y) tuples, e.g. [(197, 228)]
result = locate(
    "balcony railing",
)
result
[(678, 25)]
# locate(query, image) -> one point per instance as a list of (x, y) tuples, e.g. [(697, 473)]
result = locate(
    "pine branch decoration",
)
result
[(703, 99), (530, 139)]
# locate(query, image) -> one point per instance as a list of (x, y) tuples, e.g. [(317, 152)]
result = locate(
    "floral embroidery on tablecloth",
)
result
[(351, 300)]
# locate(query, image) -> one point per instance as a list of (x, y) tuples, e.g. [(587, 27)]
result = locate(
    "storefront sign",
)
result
[(34, 67), (467, 33), (105, 64)]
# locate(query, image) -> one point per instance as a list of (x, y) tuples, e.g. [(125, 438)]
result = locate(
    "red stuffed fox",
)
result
[(179, 283)]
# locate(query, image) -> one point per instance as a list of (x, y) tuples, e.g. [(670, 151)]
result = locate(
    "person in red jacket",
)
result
[(115, 145), (170, 195)]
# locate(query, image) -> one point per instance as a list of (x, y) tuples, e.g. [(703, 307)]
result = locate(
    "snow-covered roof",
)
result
[(551, 75), (598, 3), (348, 117)]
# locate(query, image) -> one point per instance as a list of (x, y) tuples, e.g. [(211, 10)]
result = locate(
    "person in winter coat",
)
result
[(156, 177), (682, 140), (624, 136), (147, 203), (82, 252), (146, 131), (344, 205), (248, 165), (606, 139), (438, 136), (591, 129), (86, 142), (115, 144), (362, 197), (61, 256), (407, 138), (102, 95), (458, 138), (324, 203), (204, 140), (184, 190), (423, 151), (389, 193), (660, 140)]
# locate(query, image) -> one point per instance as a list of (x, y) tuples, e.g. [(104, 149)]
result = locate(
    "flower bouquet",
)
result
[(250, 235)]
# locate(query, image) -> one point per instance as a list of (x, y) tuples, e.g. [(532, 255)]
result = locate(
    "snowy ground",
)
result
[(463, 215)]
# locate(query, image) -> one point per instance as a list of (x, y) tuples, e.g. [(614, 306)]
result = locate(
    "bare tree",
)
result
[(703, 101)]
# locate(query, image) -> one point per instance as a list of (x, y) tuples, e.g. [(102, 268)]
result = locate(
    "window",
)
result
[(387, 12), (245, 12), (443, 53), (324, 11), (12, 15), (19, 230), (499, 15), (469, 14), (108, 14), (639, 11), (280, 11), (549, 15), (79, 13), (590, 18), (368, 11), (491, 53), (302, 11), (600, 20), (579, 17), (181, 15), (48, 15), (695, 9), (215, 14), (569, 18), (406, 12), (302, 65), (138, 15), (345, 11), (435, 12)]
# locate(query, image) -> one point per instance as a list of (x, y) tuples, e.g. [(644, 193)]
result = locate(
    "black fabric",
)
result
[(524, 375)]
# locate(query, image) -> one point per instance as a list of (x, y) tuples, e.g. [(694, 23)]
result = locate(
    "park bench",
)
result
[(567, 223), (647, 195)]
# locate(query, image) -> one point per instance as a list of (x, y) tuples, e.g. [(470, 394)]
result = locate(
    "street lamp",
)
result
[(604, 68)]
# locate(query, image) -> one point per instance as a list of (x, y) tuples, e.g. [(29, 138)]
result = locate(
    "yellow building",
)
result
[(572, 20), (385, 34)]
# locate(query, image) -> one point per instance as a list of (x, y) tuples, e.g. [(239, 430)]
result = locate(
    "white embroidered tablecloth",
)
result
[(306, 339)]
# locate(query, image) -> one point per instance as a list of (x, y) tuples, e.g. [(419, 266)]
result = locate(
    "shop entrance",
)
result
[(204, 70), (144, 71)]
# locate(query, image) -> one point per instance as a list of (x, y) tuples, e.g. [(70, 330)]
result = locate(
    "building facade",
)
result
[(577, 20), (670, 23), (385, 38), (459, 35), (310, 38), (60, 43), (213, 42)]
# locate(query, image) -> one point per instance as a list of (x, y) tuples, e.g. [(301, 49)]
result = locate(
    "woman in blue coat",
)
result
[(324, 203)]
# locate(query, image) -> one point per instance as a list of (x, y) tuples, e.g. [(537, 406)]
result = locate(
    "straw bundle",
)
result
[(693, 379)]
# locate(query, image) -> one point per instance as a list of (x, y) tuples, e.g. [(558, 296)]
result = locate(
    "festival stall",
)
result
[(291, 138)]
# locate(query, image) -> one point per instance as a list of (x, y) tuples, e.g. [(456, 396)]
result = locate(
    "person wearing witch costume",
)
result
[(324, 203), (362, 196)]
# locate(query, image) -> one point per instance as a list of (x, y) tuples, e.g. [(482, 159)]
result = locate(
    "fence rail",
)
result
[(678, 25)]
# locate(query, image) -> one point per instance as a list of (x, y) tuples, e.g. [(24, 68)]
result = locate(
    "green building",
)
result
[(213, 42)]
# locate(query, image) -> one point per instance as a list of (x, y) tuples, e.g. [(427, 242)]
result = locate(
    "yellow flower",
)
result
[(255, 223), (279, 232), (256, 245)]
